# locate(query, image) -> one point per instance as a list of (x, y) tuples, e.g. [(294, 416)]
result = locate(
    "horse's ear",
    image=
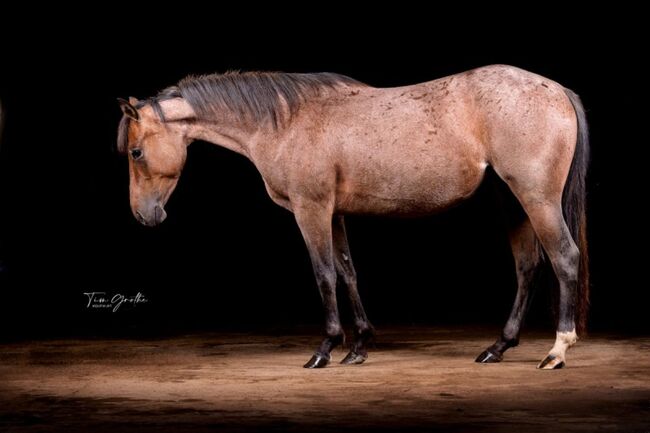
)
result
[(128, 108)]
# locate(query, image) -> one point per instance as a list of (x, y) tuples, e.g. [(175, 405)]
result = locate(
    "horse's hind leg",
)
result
[(527, 254), (315, 222), (540, 195), (548, 222), (363, 330)]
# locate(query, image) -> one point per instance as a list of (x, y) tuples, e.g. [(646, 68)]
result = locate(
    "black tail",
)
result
[(573, 206)]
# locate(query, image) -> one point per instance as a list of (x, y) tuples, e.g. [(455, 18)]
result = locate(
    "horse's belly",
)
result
[(368, 204), (418, 191)]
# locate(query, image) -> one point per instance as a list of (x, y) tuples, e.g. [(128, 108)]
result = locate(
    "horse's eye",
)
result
[(136, 154)]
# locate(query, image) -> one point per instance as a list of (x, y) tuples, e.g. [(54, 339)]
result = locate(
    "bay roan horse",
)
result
[(327, 145)]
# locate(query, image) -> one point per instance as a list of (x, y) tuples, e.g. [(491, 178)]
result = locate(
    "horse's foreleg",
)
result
[(363, 330), (315, 222), (527, 254)]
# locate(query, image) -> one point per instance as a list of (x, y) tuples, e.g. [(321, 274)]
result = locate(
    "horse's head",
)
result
[(156, 150)]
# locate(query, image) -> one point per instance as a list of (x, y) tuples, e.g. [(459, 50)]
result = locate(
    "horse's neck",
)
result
[(233, 137), (226, 132)]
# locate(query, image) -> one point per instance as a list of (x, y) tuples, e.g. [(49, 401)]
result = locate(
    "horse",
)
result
[(327, 146)]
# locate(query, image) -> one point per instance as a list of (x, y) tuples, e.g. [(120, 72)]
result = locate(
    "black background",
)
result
[(227, 257)]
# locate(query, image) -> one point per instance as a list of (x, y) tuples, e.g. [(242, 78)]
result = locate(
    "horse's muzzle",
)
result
[(151, 216)]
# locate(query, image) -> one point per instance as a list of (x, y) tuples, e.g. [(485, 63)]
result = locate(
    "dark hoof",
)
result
[(551, 362), (488, 357), (318, 361), (354, 358)]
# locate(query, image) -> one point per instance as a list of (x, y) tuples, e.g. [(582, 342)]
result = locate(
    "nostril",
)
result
[(139, 217), (159, 214)]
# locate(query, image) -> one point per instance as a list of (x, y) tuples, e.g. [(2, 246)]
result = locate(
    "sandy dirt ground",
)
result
[(416, 379)]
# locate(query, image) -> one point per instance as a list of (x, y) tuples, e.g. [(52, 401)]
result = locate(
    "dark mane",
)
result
[(258, 97)]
